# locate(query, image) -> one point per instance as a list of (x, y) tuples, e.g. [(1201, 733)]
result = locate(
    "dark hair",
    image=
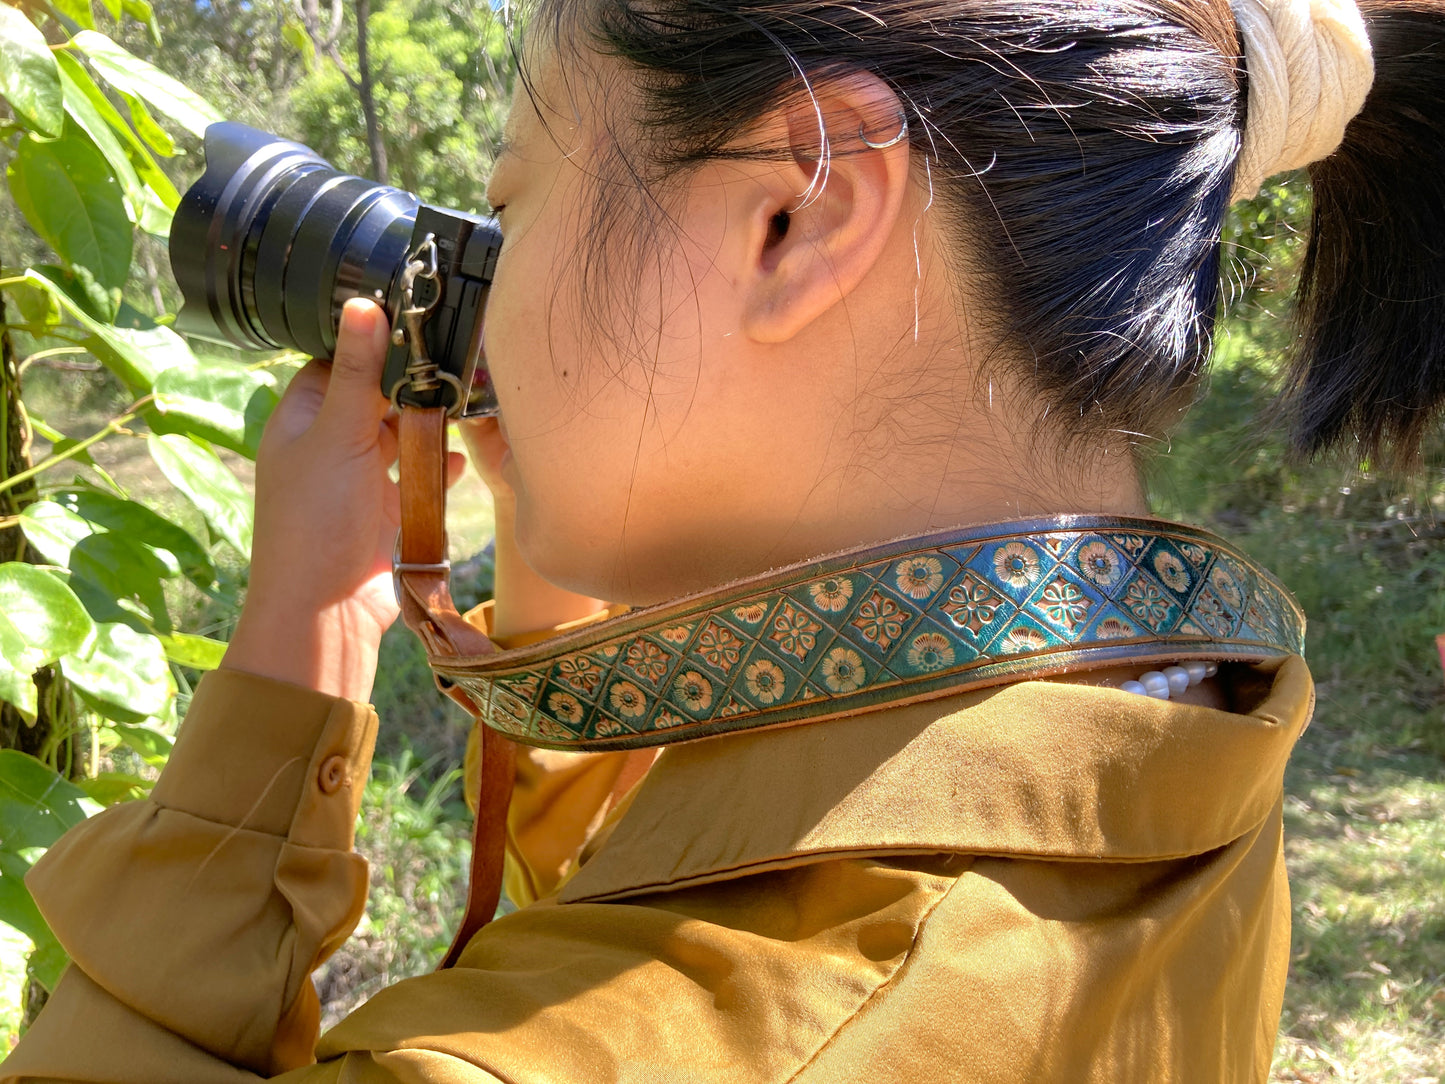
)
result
[(1086, 151)]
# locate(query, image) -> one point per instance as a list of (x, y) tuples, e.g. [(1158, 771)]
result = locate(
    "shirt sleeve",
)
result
[(194, 918)]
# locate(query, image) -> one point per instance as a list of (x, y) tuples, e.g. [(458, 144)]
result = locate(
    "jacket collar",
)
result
[(1035, 769)]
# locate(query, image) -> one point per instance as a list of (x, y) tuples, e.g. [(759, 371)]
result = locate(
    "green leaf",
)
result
[(37, 306), (122, 673), (142, 525), (81, 287), (135, 356), (226, 404), (208, 483), (190, 650), (29, 79), (80, 86), (149, 192), (132, 75), (40, 620), (59, 442), (147, 742), (112, 6), (67, 191), (116, 577), (37, 805), (156, 137), (79, 10), (17, 909), (53, 530), (293, 33), (112, 788)]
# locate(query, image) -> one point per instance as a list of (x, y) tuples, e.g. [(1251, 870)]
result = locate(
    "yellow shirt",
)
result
[(1039, 882)]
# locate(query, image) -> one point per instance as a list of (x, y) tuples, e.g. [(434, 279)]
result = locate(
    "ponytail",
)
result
[(1370, 364)]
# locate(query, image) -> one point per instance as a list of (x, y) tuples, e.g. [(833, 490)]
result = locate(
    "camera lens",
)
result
[(272, 241)]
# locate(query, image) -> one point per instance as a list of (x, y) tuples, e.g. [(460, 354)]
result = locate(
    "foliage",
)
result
[(441, 72), (91, 594)]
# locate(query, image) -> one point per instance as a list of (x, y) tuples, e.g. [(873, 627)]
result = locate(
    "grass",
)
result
[(1365, 789)]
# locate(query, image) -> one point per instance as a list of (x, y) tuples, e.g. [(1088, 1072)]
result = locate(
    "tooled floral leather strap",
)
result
[(909, 620)]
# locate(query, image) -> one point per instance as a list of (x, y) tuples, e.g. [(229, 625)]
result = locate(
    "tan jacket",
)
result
[(1042, 882)]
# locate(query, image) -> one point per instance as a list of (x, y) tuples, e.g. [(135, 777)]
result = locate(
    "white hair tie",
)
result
[(1310, 70)]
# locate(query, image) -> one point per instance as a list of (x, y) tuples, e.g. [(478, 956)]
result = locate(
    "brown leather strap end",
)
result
[(423, 588)]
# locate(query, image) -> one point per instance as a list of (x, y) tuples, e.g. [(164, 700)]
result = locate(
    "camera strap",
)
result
[(422, 577)]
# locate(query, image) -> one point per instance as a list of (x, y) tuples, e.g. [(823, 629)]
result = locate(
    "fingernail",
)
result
[(359, 317)]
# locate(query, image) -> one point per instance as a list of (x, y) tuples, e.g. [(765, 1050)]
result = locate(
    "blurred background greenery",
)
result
[(1363, 552)]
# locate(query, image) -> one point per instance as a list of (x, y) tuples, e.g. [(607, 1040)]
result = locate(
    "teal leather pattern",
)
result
[(911, 619)]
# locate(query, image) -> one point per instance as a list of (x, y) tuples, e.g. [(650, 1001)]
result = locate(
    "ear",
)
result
[(823, 216)]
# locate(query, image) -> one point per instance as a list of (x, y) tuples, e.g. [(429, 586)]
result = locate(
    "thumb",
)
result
[(353, 396)]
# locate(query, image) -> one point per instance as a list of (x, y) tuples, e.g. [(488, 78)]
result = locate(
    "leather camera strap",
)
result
[(423, 587)]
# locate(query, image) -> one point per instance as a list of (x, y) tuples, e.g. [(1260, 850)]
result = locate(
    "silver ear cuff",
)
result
[(899, 138)]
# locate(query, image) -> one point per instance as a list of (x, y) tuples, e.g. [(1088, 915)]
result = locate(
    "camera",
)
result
[(271, 241)]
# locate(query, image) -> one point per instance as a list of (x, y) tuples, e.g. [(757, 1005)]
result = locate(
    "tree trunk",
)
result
[(364, 90), (55, 734)]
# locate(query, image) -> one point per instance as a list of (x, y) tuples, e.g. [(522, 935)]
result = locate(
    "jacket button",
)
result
[(332, 776)]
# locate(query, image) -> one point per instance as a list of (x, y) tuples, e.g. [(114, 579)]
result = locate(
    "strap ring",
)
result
[(398, 566)]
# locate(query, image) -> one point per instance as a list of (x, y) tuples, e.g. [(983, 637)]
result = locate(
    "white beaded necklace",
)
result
[(1172, 680)]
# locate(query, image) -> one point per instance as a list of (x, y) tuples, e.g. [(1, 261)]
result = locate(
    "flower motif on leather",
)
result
[(1099, 563), (646, 660), (719, 646), (765, 681), (565, 706), (1130, 543), (666, 720), (1063, 603), (1017, 563), (831, 595), (930, 651), (1023, 640), (1211, 611), (1226, 586), (1171, 570), (880, 620), (1111, 628), (677, 634), (609, 728), (795, 632), (627, 699), (972, 604), (580, 672), (842, 670), (1146, 602), (752, 613), (693, 691), (1195, 555), (920, 577)]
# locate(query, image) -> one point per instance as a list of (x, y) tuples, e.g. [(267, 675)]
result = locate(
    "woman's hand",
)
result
[(525, 601), (326, 522)]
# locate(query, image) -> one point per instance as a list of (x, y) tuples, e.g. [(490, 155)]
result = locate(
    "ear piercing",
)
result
[(899, 138)]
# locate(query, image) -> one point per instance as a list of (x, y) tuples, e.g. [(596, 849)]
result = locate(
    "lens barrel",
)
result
[(272, 241)]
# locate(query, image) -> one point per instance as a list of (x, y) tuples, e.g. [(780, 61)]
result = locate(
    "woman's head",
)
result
[(1042, 289)]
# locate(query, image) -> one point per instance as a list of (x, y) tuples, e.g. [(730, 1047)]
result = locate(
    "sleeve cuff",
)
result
[(271, 757), (481, 617)]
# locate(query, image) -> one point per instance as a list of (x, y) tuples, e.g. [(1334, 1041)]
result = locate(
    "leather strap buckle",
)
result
[(427, 568)]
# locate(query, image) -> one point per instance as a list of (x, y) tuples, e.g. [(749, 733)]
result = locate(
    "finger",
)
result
[(354, 403), (456, 467), (297, 409)]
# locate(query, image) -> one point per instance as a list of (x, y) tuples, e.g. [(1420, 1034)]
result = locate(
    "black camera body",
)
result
[(270, 243)]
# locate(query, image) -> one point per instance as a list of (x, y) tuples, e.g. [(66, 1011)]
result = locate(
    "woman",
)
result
[(901, 282)]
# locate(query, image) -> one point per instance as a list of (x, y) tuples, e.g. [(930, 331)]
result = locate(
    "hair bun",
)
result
[(1310, 69)]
